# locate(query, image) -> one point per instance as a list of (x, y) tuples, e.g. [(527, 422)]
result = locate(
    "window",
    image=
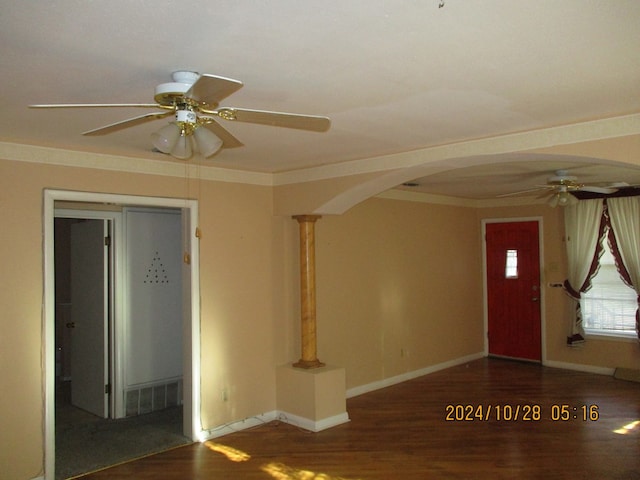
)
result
[(511, 268), (609, 307)]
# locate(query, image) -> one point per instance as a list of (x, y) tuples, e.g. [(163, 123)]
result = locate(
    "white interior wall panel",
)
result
[(153, 319)]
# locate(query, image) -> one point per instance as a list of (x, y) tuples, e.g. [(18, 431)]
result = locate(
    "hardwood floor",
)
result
[(401, 432)]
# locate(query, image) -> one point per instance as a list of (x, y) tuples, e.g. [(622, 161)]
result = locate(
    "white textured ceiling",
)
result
[(393, 76)]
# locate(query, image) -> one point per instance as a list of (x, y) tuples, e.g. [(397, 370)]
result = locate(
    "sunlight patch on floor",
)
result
[(628, 428), (231, 453), (280, 471)]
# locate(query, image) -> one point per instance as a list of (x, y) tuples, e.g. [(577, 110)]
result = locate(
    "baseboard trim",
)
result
[(257, 420), (579, 367), (237, 426), (313, 426), (387, 382), (628, 374)]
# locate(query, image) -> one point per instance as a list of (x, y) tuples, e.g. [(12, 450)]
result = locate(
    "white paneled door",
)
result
[(89, 316)]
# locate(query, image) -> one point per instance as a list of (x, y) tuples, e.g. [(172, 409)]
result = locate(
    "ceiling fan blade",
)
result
[(547, 193), (228, 140), (127, 123), (313, 123), (95, 105), (594, 189), (210, 89)]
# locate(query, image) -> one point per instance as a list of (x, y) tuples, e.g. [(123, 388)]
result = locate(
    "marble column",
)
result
[(309, 358)]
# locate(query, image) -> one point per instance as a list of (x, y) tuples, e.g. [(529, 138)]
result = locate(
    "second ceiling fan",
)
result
[(561, 185)]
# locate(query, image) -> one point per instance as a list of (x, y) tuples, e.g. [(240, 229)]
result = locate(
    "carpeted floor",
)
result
[(86, 443)]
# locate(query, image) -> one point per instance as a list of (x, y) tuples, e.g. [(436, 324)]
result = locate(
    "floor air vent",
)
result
[(149, 399)]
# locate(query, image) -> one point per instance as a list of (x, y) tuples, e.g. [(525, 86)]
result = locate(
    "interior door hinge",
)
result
[(107, 241), (107, 389)]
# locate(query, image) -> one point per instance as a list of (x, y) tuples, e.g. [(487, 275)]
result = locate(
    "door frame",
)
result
[(191, 321), (485, 300)]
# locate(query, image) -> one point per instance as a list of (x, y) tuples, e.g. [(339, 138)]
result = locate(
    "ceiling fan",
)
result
[(193, 99), (560, 185)]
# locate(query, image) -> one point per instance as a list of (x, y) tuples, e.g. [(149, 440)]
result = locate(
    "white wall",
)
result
[(153, 298)]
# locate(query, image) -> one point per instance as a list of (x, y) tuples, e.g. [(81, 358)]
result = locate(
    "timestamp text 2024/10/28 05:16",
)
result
[(556, 412)]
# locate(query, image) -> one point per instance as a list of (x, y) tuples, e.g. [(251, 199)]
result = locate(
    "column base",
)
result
[(313, 399), (307, 364)]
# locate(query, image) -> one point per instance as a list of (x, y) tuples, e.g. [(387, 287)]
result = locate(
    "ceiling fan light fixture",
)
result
[(178, 139), (562, 199), (182, 149), (165, 138), (206, 141), (568, 200)]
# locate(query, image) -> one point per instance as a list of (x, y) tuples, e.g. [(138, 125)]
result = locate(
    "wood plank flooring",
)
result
[(401, 432)]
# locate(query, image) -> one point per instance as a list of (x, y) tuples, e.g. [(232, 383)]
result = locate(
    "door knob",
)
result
[(71, 325), (534, 299)]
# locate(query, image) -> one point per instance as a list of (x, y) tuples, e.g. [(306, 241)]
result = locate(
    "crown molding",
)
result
[(419, 197), (100, 161)]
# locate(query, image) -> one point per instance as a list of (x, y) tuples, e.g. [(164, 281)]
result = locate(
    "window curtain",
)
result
[(624, 215), (585, 229)]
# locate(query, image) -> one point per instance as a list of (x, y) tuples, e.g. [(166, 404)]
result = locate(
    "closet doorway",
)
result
[(100, 385)]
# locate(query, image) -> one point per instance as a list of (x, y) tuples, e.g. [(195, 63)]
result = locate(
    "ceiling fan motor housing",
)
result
[(562, 178), (186, 116), (166, 93), (184, 76)]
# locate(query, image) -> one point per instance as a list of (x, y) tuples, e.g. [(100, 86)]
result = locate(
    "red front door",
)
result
[(513, 289)]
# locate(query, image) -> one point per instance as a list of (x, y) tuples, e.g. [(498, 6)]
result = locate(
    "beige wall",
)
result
[(239, 348), (596, 352), (399, 288)]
